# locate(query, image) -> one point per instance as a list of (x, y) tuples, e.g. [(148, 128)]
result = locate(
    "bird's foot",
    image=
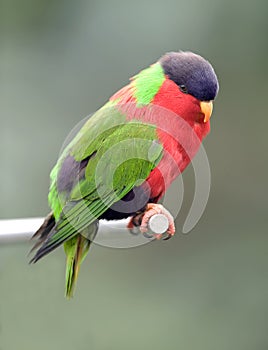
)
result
[(140, 221)]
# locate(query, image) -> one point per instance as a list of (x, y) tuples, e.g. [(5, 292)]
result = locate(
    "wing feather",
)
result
[(122, 160)]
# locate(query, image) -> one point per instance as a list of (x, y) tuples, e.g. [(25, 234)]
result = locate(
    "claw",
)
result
[(151, 227), (167, 238), (148, 235), (135, 231)]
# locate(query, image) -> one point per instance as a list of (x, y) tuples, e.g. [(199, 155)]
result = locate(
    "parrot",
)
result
[(124, 157)]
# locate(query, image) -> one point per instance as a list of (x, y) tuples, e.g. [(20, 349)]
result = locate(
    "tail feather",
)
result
[(75, 249), (42, 233)]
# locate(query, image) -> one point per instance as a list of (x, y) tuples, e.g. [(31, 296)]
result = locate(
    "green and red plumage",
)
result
[(130, 150)]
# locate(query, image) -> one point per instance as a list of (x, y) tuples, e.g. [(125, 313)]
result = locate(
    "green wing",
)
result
[(119, 156)]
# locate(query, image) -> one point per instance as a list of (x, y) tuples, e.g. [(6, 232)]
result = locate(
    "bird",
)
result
[(123, 159)]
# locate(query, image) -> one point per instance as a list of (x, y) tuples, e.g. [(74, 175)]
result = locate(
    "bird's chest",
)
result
[(172, 164)]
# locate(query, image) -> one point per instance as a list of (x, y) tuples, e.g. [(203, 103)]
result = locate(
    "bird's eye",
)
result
[(183, 89)]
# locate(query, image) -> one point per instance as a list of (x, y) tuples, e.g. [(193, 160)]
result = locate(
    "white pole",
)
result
[(111, 233)]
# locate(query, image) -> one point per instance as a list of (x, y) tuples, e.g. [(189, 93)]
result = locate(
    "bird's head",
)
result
[(194, 76)]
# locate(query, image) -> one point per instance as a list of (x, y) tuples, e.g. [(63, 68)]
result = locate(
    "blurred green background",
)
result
[(60, 61)]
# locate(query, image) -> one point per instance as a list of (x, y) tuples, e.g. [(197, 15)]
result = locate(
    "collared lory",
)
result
[(124, 157)]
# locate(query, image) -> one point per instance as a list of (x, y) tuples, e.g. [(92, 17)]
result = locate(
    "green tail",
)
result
[(76, 250)]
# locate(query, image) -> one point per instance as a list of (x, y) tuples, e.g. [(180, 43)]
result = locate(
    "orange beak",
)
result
[(206, 109)]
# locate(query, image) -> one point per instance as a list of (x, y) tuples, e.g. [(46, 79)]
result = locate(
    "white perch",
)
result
[(110, 234)]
